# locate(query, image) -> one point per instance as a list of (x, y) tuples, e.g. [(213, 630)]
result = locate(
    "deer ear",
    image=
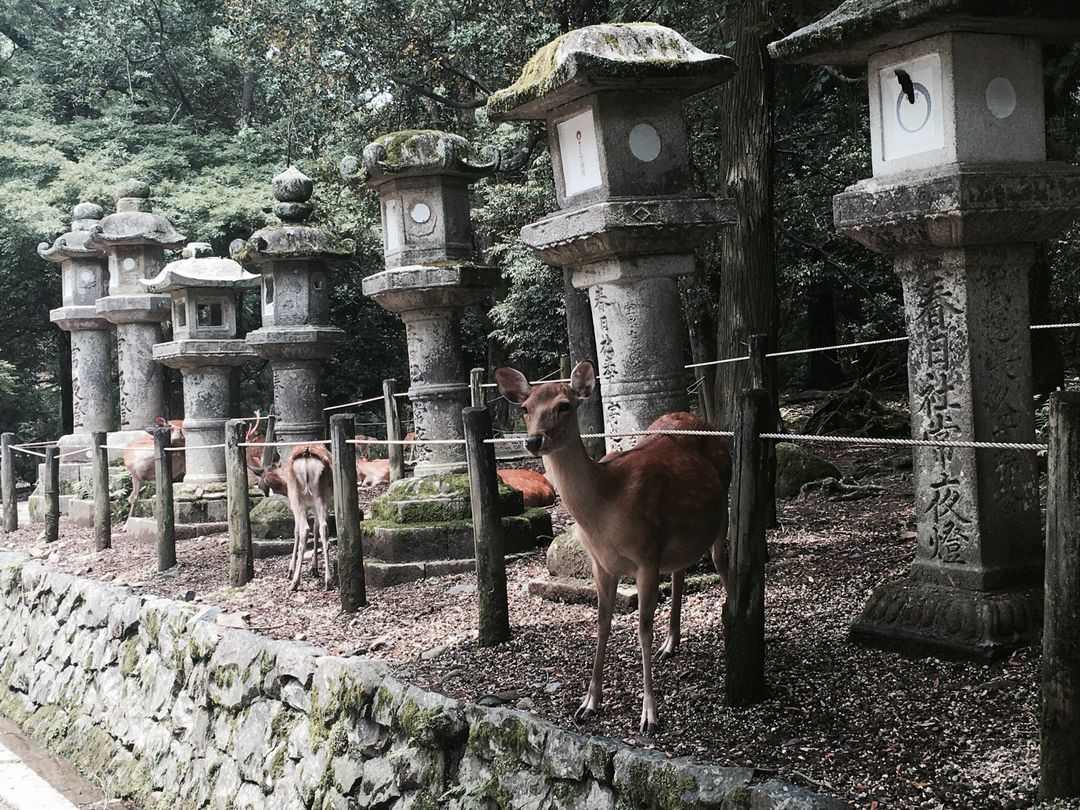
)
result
[(512, 384), (583, 379), (160, 421)]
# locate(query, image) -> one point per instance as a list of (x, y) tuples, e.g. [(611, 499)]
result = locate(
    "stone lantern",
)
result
[(960, 196), (205, 293), (296, 336), (629, 216), (84, 279), (135, 239), (423, 180)]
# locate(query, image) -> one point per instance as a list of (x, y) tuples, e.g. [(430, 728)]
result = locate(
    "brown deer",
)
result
[(535, 489), (650, 510), (372, 473), (139, 458), (309, 481)]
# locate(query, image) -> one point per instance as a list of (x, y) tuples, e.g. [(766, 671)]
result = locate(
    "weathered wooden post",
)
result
[(1059, 776), (241, 559), (7, 482), (476, 391), (394, 452), (52, 494), (102, 505), (759, 378), (350, 548), (488, 536), (744, 610), (564, 367), (163, 494)]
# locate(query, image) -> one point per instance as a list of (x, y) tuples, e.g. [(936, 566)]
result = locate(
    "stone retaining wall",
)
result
[(157, 702)]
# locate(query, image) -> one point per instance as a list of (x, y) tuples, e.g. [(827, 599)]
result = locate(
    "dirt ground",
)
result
[(870, 727)]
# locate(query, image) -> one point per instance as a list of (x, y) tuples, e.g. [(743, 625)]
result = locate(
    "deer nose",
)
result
[(533, 442)]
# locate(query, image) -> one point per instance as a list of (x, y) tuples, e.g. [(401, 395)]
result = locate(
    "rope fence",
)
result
[(858, 344)]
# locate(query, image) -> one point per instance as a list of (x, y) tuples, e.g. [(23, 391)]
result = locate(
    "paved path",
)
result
[(24, 768)]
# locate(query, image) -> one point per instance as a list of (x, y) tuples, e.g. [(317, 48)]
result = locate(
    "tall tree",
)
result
[(746, 303)]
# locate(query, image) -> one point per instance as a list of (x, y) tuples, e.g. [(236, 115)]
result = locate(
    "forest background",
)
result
[(208, 99)]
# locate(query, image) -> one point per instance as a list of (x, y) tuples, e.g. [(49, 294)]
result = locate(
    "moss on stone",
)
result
[(740, 798), (796, 466), (658, 787), (277, 764), (129, 657), (152, 623), (429, 727)]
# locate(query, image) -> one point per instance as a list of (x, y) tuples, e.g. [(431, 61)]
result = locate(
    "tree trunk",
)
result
[(67, 404), (747, 299), (824, 367), (1047, 363)]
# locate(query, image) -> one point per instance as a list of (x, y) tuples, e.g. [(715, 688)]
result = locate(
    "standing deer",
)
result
[(309, 481), (646, 511), (139, 458)]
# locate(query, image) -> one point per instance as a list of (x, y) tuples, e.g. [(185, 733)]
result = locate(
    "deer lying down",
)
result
[(535, 488), (372, 473), (650, 510), (309, 481), (139, 458)]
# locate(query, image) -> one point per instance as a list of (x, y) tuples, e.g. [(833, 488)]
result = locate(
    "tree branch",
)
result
[(523, 156), (472, 104), (840, 77)]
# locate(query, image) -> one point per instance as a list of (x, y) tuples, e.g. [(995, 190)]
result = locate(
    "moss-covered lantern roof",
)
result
[(292, 240), (415, 153), (134, 222), (72, 245), (858, 28), (631, 56), (200, 268)]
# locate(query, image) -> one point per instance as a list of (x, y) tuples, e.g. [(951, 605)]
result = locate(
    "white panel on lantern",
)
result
[(392, 225), (580, 157), (912, 108)]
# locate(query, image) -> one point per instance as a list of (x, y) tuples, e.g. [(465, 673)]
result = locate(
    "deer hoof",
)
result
[(585, 712), (668, 650), (650, 728)]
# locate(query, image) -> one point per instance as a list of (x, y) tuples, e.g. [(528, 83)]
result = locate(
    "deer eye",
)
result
[(564, 407)]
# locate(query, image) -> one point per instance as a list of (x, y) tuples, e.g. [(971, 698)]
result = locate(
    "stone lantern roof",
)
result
[(134, 222), (858, 28), (292, 239), (200, 268), (628, 56), (418, 152), (72, 244)]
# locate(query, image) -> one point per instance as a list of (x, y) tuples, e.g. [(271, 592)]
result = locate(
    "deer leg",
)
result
[(324, 533), (648, 588), (314, 529), (671, 643), (605, 603), (300, 530), (136, 485), (719, 552)]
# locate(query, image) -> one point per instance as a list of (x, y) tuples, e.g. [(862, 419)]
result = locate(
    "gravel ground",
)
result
[(873, 728)]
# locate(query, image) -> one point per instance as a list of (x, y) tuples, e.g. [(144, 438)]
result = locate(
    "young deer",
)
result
[(650, 510), (309, 481), (139, 458)]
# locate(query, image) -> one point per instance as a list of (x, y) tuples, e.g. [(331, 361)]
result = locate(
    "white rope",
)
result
[(367, 401), (28, 452), (404, 441), (33, 444), (880, 342), (282, 444), (798, 437), (79, 452), (178, 448)]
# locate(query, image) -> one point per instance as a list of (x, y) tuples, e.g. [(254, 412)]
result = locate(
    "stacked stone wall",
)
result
[(154, 700)]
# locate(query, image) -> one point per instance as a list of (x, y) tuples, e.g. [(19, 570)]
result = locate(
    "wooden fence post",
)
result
[(564, 367), (744, 610), (352, 586), (7, 482), (394, 452), (759, 378), (52, 494), (1059, 743), (163, 495), (268, 453), (488, 540), (241, 559), (102, 505), (476, 391)]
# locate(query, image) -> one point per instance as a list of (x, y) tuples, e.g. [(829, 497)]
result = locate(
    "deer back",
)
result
[(535, 489)]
